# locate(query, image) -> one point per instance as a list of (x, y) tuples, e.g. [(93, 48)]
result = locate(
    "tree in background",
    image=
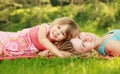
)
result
[(6, 6)]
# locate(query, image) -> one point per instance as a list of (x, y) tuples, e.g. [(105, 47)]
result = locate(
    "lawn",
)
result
[(60, 66)]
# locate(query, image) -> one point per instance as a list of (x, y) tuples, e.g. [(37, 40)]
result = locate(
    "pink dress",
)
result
[(21, 42)]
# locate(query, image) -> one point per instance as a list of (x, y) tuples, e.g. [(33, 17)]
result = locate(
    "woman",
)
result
[(108, 45)]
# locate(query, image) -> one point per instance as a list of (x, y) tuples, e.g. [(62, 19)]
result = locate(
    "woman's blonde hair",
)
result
[(67, 46), (73, 28)]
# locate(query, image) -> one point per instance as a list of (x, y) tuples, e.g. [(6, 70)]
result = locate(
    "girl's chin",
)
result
[(51, 38)]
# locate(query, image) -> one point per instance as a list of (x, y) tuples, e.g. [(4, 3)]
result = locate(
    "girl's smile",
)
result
[(58, 32)]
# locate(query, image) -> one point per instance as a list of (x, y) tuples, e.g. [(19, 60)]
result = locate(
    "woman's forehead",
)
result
[(76, 42)]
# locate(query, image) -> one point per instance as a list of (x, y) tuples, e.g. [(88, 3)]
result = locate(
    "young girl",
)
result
[(38, 38), (107, 46)]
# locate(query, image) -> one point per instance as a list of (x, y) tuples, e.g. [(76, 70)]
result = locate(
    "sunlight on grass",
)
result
[(60, 66)]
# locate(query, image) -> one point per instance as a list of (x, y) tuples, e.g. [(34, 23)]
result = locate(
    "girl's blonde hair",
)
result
[(73, 28)]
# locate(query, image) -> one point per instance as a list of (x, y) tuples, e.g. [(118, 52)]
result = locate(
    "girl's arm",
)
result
[(46, 43), (45, 53)]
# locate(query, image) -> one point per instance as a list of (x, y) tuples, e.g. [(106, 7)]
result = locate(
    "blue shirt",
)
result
[(115, 36)]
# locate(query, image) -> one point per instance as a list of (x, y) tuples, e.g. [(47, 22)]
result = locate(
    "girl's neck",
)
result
[(51, 40)]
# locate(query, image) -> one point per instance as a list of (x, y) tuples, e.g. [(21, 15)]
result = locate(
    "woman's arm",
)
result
[(114, 47), (106, 57), (46, 43)]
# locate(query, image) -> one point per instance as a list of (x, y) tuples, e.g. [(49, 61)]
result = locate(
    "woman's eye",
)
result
[(79, 37), (83, 45), (63, 34)]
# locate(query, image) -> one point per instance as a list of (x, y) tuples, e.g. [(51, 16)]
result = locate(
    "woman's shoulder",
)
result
[(114, 30), (113, 45)]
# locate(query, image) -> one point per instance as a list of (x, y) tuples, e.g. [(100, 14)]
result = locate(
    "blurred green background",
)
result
[(96, 16)]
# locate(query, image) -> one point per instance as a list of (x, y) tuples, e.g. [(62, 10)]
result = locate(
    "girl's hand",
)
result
[(45, 53), (66, 54)]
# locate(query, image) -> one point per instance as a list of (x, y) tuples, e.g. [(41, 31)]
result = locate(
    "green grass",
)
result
[(60, 66)]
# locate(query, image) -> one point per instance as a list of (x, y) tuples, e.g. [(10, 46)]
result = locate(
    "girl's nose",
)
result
[(57, 32)]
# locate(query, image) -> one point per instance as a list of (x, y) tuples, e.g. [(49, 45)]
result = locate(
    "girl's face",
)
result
[(84, 42), (58, 32)]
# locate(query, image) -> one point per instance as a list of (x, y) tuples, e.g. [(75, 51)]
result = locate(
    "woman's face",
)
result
[(84, 42)]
